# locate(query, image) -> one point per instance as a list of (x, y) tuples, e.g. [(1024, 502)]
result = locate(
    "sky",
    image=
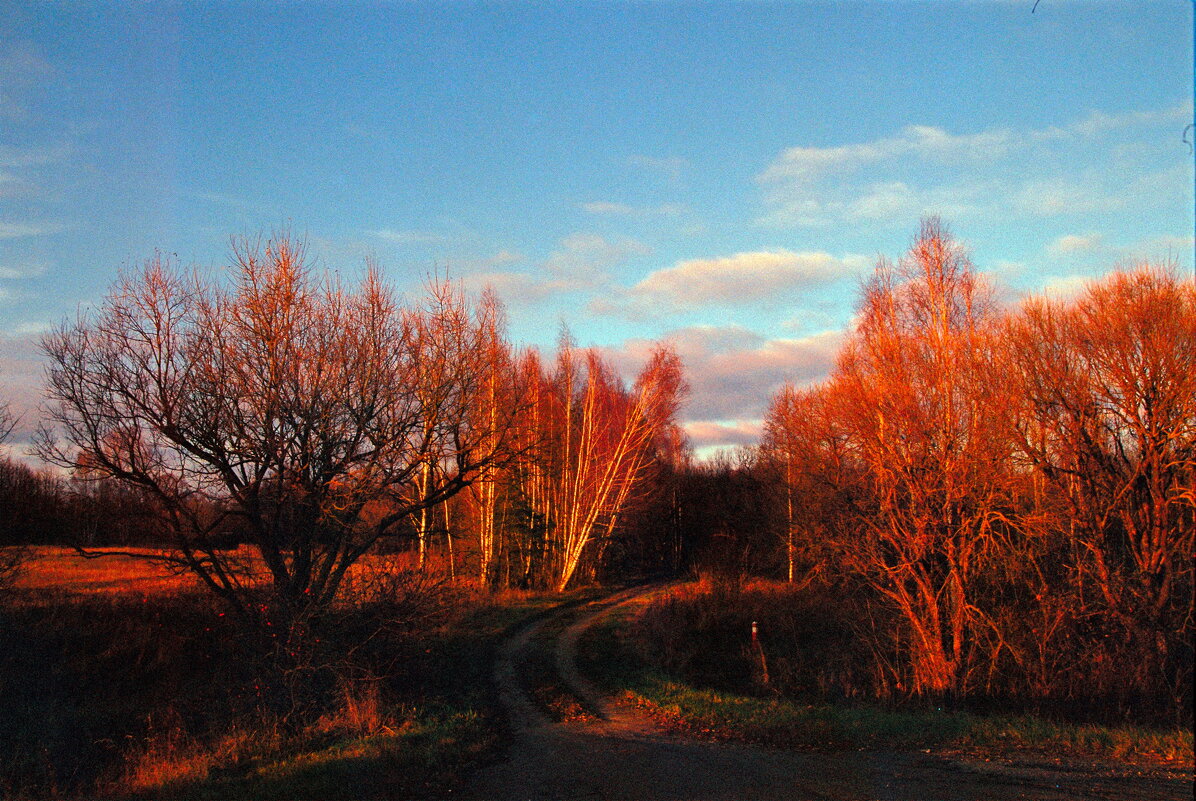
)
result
[(720, 175)]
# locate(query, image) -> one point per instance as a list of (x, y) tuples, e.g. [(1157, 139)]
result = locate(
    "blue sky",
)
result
[(721, 174)]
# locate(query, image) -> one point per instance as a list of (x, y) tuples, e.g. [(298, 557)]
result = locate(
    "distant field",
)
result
[(65, 570)]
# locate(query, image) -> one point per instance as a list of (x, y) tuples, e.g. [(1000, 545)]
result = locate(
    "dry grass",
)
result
[(120, 679), (53, 569), (667, 663)]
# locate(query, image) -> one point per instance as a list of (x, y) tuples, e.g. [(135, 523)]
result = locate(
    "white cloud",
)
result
[(1065, 287), (802, 164), (928, 170), (1097, 122), (1075, 243), (728, 281), (740, 278)]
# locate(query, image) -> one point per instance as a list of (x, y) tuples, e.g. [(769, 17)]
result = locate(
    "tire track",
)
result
[(623, 754)]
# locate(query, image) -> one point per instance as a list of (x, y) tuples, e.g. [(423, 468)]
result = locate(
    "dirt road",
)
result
[(618, 753)]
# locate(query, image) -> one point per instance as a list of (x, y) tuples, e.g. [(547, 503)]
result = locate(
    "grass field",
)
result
[(106, 570), (120, 680), (65, 570)]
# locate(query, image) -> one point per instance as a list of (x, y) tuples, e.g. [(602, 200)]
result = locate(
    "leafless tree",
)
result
[(312, 417)]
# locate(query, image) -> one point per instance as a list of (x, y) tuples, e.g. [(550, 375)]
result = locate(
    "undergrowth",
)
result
[(625, 657), (160, 695)]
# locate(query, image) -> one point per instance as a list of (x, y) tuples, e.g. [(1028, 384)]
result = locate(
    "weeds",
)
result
[(161, 694)]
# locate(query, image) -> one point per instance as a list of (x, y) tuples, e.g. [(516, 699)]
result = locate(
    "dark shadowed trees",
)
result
[(312, 417)]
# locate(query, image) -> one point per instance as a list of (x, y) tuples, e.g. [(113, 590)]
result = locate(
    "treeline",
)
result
[(1001, 499), (41, 507), (1009, 491)]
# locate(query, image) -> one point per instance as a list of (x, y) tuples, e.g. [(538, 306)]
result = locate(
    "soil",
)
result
[(617, 752)]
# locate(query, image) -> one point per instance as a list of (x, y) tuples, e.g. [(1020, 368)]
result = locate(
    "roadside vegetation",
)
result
[(689, 661)]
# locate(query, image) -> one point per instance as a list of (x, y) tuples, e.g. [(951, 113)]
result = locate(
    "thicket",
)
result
[(1009, 492)]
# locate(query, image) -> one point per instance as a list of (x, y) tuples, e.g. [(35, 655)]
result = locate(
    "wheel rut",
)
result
[(620, 753)]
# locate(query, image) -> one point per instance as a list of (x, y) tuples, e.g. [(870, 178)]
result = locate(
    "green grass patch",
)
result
[(421, 758)]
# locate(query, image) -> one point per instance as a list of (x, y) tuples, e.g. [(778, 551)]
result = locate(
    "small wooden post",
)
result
[(759, 649)]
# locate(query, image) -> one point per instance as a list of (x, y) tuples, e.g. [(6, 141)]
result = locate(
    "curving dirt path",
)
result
[(621, 754)]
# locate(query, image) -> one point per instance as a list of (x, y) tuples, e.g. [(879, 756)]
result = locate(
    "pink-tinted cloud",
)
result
[(21, 375), (707, 434), (733, 372)]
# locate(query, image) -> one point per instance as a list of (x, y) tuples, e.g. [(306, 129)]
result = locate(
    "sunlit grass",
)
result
[(410, 752), (51, 568), (107, 570), (122, 680)]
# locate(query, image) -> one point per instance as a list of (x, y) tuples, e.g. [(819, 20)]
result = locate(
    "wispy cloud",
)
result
[(925, 169), (13, 271), (12, 157), (20, 230), (669, 166), (411, 237), (22, 68), (604, 207), (589, 256), (580, 263), (802, 164), (1075, 243), (21, 365)]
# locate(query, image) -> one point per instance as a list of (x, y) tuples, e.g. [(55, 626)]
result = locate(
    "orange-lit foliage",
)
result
[(915, 400), (1015, 489), (1106, 387), (586, 446)]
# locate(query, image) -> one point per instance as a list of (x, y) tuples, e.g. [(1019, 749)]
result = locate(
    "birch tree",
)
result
[(917, 402), (607, 443)]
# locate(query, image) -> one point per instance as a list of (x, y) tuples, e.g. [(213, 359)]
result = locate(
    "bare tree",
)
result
[(921, 412), (11, 555), (312, 417), (608, 438), (1107, 390)]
